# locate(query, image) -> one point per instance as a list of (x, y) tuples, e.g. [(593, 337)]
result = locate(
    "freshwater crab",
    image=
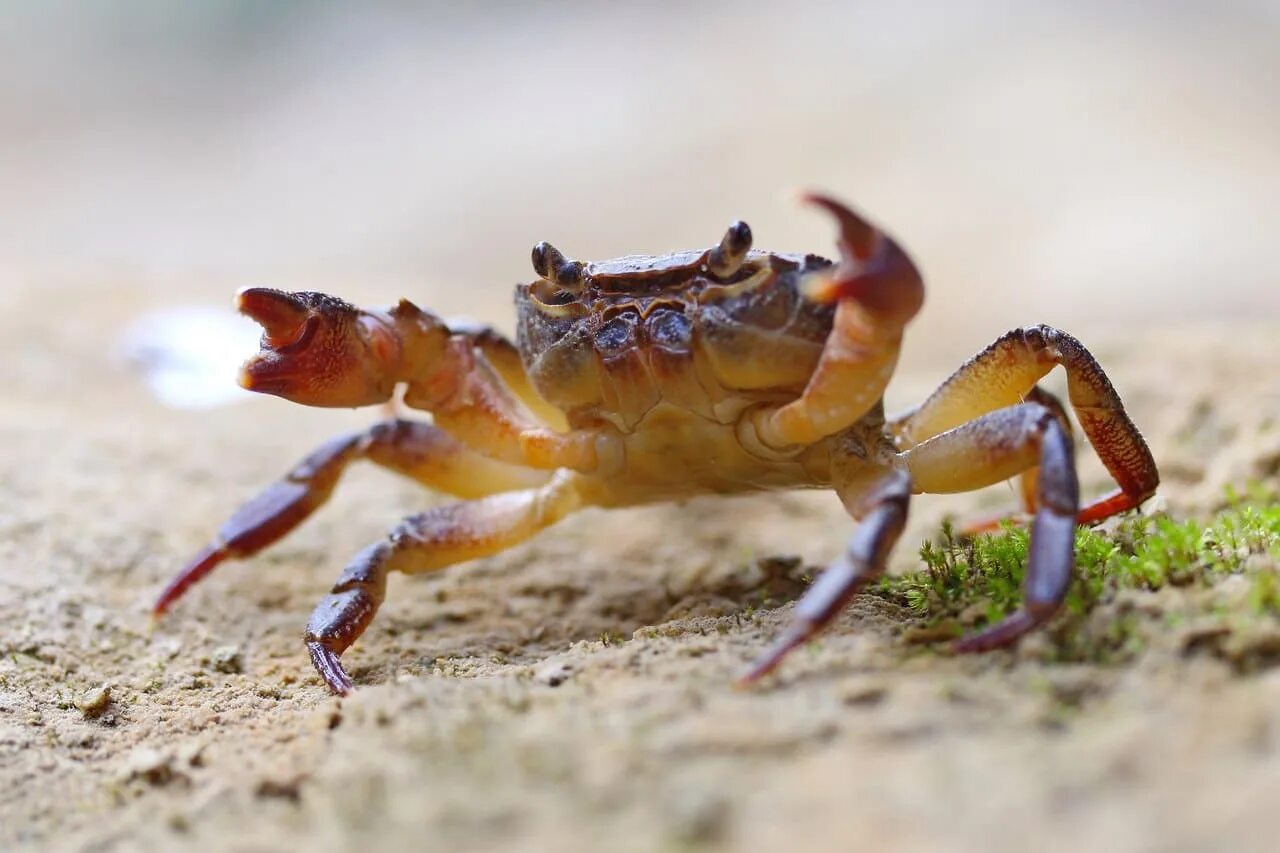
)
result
[(656, 378)]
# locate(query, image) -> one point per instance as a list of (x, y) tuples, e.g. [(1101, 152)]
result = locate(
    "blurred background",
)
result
[(1110, 168), (1090, 164)]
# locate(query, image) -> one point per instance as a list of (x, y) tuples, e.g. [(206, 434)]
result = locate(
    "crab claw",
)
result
[(873, 271), (282, 315), (319, 350)]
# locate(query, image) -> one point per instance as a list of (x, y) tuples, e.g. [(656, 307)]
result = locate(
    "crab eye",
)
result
[(552, 265)]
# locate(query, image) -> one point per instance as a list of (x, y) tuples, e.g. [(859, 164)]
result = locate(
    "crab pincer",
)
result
[(321, 351), (873, 271), (317, 350)]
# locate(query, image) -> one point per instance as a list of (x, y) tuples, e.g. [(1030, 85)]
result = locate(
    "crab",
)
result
[(647, 379)]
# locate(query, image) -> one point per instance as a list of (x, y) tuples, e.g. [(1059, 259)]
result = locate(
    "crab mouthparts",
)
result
[(282, 315)]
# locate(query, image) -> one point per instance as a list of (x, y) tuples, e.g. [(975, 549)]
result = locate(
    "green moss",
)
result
[(962, 575), (611, 638), (1264, 593)]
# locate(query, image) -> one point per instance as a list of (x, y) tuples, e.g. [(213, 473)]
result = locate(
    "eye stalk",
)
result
[(549, 263), (726, 259)]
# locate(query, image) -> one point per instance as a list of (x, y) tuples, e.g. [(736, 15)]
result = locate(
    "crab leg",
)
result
[(877, 290), (1006, 373), (882, 511), (504, 357), (1027, 480), (467, 398), (993, 448), (431, 540), (415, 449)]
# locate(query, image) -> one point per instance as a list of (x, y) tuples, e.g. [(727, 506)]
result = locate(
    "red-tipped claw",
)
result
[(873, 270), (282, 316), (319, 350), (858, 238)]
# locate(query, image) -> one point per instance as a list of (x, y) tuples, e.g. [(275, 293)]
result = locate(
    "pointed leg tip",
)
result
[(201, 564), (165, 599), (330, 668), (971, 527), (983, 641), (752, 676), (758, 672), (769, 661), (992, 523), (1003, 634)]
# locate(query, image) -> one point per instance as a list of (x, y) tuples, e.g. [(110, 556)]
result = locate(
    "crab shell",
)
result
[(627, 334)]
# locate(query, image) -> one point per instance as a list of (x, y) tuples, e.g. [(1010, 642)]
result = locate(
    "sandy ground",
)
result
[(572, 693), (1108, 168)]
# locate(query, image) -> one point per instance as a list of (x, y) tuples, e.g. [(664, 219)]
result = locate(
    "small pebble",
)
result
[(553, 673), (153, 766), (699, 818), (863, 693), (94, 701), (227, 659)]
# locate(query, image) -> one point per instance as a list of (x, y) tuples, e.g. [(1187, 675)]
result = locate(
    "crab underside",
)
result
[(649, 379)]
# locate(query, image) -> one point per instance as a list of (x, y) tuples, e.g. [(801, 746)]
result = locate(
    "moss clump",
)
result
[(979, 579)]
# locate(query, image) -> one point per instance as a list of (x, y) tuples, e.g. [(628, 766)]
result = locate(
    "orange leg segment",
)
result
[(432, 540), (1027, 480), (412, 448), (504, 358), (467, 397), (1006, 373)]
